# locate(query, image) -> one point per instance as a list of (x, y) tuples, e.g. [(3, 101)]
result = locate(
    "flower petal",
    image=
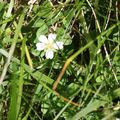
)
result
[(49, 54), (51, 37), (43, 39), (40, 46), (58, 45)]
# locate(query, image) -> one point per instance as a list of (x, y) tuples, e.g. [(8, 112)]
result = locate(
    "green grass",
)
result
[(81, 82)]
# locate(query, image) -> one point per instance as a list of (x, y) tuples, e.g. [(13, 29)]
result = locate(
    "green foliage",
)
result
[(90, 31)]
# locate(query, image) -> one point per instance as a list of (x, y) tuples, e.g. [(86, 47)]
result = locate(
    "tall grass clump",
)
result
[(59, 59)]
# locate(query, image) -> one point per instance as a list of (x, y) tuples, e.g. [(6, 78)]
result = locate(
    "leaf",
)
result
[(45, 10), (89, 108), (1, 6), (116, 93), (68, 18), (42, 30), (63, 37), (39, 23), (12, 115), (99, 79), (1, 9)]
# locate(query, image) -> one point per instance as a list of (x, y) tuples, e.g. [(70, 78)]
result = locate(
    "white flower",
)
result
[(49, 45)]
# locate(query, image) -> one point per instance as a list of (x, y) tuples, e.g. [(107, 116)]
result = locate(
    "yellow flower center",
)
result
[(49, 46)]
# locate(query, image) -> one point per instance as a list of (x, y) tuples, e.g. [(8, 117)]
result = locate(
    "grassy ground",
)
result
[(81, 81)]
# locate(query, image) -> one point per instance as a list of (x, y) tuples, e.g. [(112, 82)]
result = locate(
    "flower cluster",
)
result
[(49, 45)]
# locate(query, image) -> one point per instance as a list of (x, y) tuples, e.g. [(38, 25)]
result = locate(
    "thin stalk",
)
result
[(26, 49), (68, 62)]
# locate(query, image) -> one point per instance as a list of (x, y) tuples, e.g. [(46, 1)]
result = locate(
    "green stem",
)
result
[(21, 81)]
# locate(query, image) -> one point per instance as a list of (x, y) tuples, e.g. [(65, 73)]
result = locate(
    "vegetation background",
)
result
[(89, 88)]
